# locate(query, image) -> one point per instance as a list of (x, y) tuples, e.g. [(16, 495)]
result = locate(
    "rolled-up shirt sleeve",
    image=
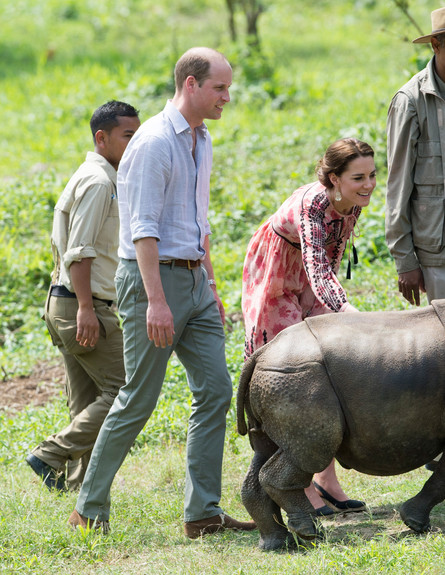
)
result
[(146, 179), (87, 218)]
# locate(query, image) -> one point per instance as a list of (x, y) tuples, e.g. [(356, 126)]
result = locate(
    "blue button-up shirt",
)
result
[(163, 191)]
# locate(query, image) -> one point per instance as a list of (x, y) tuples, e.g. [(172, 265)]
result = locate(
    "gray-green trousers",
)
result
[(93, 378), (199, 343)]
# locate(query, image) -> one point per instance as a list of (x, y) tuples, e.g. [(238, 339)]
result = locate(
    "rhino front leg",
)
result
[(415, 512), (285, 484)]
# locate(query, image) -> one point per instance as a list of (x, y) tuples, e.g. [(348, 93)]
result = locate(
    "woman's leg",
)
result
[(328, 480)]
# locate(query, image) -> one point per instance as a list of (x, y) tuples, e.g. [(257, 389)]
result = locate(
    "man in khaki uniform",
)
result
[(415, 201), (78, 311)]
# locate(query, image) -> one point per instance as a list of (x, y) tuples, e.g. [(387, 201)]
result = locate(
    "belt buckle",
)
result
[(188, 265)]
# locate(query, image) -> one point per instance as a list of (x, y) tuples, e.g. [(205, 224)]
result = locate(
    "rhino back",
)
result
[(388, 370)]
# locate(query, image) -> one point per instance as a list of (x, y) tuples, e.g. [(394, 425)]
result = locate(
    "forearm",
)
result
[(321, 276), (160, 322), (398, 228), (81, 280), (147, 256), (87, 322)]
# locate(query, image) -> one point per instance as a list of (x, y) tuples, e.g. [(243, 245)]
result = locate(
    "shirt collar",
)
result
[(178, 121), (104, 164), (439, 82)]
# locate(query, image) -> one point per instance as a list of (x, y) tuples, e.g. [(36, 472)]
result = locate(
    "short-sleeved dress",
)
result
[(291, 265)]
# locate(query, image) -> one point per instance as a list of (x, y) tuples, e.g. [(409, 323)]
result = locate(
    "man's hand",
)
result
[(87, 327), (87, 322), (411, 284), (160, 325)]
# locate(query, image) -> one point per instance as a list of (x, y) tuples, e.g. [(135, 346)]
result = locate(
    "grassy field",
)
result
[(147, 535), (325, 70)]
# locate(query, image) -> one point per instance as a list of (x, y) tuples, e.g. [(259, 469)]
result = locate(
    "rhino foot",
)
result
[(303, 526), (416, 519), (278, 542)]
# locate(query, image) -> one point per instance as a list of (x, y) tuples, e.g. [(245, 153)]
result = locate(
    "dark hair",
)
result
[(105, 117), (195, 62), (441, 39), (337, 157)]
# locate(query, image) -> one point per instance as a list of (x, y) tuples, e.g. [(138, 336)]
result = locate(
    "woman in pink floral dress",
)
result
[(292, 261)]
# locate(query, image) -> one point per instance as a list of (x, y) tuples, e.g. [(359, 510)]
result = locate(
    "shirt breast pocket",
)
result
[(428, 170), (114, 209), (428, 223)]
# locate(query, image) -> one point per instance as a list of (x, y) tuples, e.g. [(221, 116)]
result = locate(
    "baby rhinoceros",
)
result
[(366, 388)]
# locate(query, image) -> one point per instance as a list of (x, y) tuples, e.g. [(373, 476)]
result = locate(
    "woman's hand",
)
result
[(350, 308)]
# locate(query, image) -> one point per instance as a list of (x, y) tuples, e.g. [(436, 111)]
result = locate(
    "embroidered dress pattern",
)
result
[(291, 265)]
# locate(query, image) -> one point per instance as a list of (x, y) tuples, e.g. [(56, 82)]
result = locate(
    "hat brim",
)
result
[(423, 39)]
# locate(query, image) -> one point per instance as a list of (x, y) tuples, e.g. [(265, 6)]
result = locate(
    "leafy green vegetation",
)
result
[(325, 70), (333, 78)]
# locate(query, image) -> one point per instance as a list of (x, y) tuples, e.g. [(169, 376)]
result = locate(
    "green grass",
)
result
[(326, 70), (147, 534)]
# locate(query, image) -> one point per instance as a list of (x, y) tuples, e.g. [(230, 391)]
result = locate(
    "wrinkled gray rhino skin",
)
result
[(367, 389)]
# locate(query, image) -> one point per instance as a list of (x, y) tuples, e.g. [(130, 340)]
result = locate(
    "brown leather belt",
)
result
[(189, 264)]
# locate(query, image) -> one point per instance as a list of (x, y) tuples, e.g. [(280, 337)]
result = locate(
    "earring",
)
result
[(338, 195)]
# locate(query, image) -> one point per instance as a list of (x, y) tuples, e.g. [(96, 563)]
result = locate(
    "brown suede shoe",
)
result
[(77, 520), (195, 529)]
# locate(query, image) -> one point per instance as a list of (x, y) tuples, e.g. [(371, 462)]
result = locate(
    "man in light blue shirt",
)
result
[(167, 296), (164, 183)]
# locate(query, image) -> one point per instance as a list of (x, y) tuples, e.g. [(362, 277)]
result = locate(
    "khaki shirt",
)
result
[(86, 225), (415, 201)]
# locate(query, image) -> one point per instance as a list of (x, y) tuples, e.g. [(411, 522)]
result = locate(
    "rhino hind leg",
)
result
[(265, 512), (285, 484), (415, 512)]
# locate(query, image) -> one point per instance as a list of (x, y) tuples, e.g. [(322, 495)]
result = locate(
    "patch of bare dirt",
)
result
[(45, 382), (384, 519)]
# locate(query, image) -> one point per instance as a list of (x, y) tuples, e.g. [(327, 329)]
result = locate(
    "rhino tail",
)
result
[(243, 390)]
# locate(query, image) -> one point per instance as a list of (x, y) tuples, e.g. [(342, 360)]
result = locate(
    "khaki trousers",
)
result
[(93, 379)]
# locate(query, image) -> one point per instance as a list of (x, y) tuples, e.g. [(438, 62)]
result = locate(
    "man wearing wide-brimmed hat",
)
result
[(415, 212)]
